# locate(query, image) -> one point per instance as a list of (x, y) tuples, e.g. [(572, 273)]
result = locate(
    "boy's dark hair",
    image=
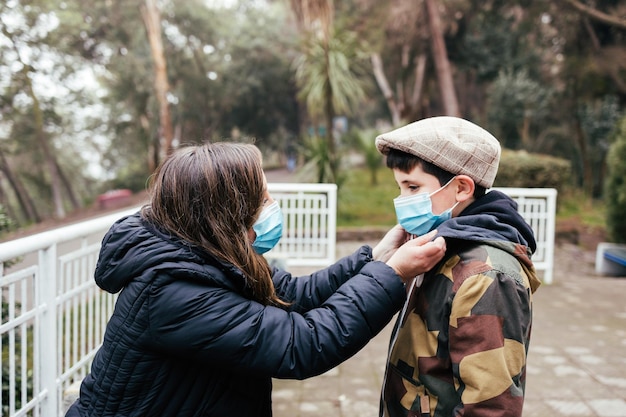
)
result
[(405, 162)]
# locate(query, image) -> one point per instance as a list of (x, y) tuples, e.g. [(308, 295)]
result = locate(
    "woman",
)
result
[(202, 322)]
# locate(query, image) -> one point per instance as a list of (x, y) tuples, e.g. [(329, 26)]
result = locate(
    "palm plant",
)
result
[(319, 163), (328, 76)]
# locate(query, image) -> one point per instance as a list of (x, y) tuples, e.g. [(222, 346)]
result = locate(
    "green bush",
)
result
[(5, 221), (523, 169), (615, 192)]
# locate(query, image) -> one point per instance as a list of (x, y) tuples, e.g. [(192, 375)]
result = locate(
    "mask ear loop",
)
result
[(442, 187)]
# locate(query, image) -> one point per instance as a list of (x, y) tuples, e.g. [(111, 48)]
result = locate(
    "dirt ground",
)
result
[(572, 231)]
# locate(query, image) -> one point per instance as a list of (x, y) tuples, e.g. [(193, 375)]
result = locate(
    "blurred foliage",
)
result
[(615, 193), (598, 118), (320, 165), (5, 222), (542, 76), (363, 141), (516, 104), (523, 169)]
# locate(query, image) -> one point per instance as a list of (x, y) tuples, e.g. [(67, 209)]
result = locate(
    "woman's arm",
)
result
[(310, 291), (221, 328)]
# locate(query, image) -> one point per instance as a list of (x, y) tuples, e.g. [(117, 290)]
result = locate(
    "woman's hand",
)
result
[(388, 245), (417, 255)]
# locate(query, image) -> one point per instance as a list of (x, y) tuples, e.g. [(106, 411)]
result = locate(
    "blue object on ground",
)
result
[(617, 255)]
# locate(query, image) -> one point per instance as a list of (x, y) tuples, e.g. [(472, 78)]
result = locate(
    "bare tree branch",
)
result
[(597, 15), (383, 84)]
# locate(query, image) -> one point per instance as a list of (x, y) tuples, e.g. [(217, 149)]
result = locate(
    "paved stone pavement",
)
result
[(576, 362)]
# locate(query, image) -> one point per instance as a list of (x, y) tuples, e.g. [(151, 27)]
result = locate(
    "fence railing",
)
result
[(538, 207), (310, 223), (53, 315)]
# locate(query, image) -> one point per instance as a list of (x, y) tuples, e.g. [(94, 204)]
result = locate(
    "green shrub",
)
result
[(615, 192), (523, 169), (5, 221)]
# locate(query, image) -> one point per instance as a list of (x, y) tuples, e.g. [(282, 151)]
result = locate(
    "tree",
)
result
[(23, 197), (616, 185), (596, 121), (327, 71), (590, 75), (413, 58), (152, 20), (606, 18), (516, 103), (442, 64), (400, 66), (28, 51)]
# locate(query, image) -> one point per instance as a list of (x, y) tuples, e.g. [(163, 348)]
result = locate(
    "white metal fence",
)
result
[(53, 316), (538, 207), (310, 223)]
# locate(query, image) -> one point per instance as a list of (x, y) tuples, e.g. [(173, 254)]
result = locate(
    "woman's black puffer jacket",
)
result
[(185, 339)]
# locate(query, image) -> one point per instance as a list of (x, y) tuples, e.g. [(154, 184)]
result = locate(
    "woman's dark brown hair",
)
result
[(210, 196)]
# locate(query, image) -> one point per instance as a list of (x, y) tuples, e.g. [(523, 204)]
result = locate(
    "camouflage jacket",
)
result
[(460, 344)]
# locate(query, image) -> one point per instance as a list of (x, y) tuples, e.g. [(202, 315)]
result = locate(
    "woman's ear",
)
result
[(464, 188)]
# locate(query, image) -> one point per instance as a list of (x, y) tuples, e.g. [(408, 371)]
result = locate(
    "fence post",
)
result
[(550, 233), (47, 355)]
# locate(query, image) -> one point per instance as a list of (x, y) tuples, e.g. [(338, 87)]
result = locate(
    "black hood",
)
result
[(134, 248), (491, 219)]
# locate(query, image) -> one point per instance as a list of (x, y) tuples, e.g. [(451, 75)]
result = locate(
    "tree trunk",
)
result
[(442, 64), (67, 185), (26, 203), (49, 158), (329, 111), (525, 133), (152, 21), (383, 84), (420, 73), (585, 158), (608, 19)]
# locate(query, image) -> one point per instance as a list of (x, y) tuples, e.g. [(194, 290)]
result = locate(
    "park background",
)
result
[(94, 94)]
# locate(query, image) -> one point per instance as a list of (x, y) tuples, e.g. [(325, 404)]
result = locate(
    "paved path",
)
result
[(576, 363)]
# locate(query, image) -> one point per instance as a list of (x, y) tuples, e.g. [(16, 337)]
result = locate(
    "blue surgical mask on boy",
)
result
[(268, 228), (415, 212)]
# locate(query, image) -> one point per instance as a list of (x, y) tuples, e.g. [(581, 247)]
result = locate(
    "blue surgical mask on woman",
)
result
[(268, 228), (415, 212)]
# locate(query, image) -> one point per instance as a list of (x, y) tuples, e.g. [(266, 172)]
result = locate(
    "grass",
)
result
[(573, 204), (363, 204)]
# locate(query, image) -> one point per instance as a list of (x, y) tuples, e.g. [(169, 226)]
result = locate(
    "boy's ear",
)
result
[(465, 188)]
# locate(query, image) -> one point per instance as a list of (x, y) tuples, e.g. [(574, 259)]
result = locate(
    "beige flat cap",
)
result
[(451, 143)]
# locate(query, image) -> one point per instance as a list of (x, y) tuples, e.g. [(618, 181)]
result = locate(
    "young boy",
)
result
[(460, 343)]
